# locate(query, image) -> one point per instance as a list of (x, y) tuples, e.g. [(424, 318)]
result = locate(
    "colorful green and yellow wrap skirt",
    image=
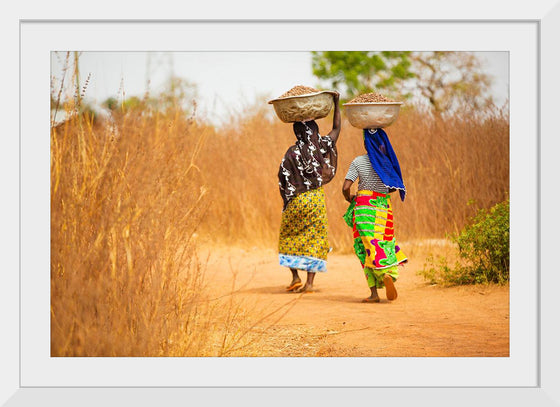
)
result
[(371, 217), (304, 243)]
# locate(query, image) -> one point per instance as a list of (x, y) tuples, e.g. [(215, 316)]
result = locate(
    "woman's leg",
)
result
[(308, 287), (295, 276), (372, 283), (390, 289), (374, 297), (296, 281), (381, 278), (389, 277)]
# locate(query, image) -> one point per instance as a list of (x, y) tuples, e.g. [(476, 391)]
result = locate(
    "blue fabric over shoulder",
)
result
[(383, 159)]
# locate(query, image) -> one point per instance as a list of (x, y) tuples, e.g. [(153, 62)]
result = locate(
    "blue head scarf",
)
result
[(384, 160)]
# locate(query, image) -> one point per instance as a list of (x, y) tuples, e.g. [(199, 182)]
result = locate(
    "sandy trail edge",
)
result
[(424, 320)]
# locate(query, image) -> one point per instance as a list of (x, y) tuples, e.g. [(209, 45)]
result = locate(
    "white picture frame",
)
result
[(28, 389)]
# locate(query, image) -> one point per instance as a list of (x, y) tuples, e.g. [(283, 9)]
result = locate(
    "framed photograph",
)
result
[(33, 374)]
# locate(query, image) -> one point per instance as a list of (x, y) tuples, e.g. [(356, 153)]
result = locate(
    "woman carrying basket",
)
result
[(307, 165), (370, 213)]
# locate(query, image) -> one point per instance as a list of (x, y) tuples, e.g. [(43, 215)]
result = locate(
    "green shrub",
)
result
[(483, 250)]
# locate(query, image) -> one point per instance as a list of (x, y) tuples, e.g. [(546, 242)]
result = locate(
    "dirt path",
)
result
[(424, 320)]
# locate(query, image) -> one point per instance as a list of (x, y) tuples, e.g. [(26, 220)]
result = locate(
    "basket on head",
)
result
[(310, 106), (372, 115)]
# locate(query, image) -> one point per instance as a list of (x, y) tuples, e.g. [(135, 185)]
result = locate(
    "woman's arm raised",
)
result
[(336, 119)]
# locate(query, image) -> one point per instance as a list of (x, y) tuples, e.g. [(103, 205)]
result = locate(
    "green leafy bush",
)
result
[(483, 250)]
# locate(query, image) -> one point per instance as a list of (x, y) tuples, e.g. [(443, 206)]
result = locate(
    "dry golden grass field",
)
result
[(164, 231)]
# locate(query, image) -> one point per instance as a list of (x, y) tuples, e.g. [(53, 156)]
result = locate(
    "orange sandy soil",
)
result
[(425, 320)]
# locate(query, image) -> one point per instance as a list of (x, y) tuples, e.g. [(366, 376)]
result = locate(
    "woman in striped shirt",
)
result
[(370, 212)]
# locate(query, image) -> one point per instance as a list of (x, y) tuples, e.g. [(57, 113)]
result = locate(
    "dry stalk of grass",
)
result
[(447, 163), (125, 206)]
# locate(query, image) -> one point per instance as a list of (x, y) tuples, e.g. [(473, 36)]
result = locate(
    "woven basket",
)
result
[(303, 107), (372, 115)]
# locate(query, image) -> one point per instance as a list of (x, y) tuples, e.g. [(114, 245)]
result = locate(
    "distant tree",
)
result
[(129, 103), (445, 80), (111, 103), (450, 80), (355, 72), (177, 93)]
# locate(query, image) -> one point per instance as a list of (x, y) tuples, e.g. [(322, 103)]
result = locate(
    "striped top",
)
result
[(369, 180)]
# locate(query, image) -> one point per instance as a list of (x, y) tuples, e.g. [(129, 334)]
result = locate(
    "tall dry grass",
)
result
[(132, 200), (451, 167), (126, 202)]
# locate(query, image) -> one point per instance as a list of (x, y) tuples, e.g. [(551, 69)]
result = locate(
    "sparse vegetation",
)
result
[(483, 247)]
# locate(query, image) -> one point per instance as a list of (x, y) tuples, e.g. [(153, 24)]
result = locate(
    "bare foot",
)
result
[(374, 297), (390, 289)]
